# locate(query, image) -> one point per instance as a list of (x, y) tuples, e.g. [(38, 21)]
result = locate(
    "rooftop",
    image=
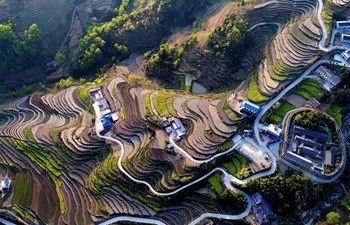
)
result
[(311, 133), (249, 107), (299, 159)]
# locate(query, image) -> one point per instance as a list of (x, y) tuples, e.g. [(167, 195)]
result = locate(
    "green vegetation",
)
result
[(345, 202), (280, 70), (164, 105), (164, 61), (238, 166), (188, 89), (335, 112), (308, 88), (28, 133), (253, 92), (141, 81), (200, 25), (226, 145), (114, 40), (231, 39), (278, 114), (148, 104), (333, 218), (286, 192), (21, 189), (61, 58), (18, 52), (23, 212), (327, 17), (233, 197), (83, 95), (215, 181), (46, 160), (310, 120), (107, 174)]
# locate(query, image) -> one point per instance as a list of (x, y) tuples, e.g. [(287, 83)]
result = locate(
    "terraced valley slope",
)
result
[(51, 141), (124, 147)]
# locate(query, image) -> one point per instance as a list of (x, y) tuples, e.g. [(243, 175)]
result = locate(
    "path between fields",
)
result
[(279, 25), (227, 177)]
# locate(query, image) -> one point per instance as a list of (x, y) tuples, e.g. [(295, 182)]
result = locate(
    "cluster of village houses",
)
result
[(307, 148), (104, 115)]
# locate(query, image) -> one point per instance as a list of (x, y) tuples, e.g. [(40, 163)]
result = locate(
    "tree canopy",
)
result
[(166, 59), (18, 53), (286, 192), (138, 31), (230, 39)]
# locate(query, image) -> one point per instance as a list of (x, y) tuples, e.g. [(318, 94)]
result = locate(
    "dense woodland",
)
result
[(18, 52), (231, 39), (135, 32), (286, 193), (165, 60)]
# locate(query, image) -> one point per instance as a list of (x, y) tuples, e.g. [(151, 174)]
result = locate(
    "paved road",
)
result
[(227, 177), (264, 4), (266, 107), (132, 219), (324, 31), (6, 222), (279, 25)]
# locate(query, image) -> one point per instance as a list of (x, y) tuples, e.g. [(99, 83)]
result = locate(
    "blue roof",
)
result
[(251, 107), (106, 121)]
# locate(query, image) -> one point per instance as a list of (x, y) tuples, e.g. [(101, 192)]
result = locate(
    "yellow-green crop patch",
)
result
[(253, 92)]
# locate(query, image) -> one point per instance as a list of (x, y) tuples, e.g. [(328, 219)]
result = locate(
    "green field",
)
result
[(226, 145), (46, 160), (215, 181), (21, 189), (308, 88), (277, 115), (238, 166), (253, 92), (335, 112), (148, 104), (164, 105)]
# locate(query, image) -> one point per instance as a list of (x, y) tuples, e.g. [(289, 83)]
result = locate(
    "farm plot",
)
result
[(238, 166), (51, 16), (308, 88), (335, 112), (277, 115)]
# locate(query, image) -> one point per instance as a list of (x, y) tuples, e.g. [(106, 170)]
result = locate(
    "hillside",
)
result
[(100, 120)]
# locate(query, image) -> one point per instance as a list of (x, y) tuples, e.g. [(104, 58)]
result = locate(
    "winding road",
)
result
[(227, 178)]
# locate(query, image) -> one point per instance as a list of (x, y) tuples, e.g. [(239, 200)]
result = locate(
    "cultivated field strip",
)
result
[(51, 16), (293, 48)]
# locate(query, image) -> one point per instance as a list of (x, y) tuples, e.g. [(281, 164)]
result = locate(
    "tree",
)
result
[(60, 58), (333, 218), (33, 34)]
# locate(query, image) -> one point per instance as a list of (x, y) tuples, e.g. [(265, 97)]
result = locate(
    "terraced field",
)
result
[(293, 49), (52, 138), (52, 17)]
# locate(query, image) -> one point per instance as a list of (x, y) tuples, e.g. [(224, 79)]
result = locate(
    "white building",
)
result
[(342, 25), (272, 130), (5, 184), (346, 55), (331, 79)]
